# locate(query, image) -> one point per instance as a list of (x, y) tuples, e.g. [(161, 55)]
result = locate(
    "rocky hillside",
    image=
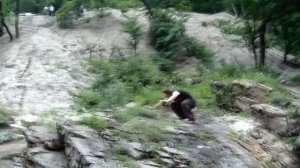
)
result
[(42, 69)]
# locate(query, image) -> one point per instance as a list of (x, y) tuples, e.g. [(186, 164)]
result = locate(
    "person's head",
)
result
[(167, 92)]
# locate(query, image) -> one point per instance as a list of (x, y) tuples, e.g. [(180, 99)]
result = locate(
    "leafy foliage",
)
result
[(68, 13), (198, 50), (296, 80), (5, 115), (132, 27)]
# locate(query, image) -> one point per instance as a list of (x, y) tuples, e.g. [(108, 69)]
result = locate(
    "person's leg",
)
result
[(177, 110), (186, 107)]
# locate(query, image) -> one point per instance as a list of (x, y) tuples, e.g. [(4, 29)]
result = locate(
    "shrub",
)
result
[(68, 12), (166, 28), (134, 73), (5, 115), (87, 98), (296, 80), (94, 123), (112, 95), (123, 4), (132, 27), (197, 49)]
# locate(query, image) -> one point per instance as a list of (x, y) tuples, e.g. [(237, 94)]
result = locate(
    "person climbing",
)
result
[(181, 104)]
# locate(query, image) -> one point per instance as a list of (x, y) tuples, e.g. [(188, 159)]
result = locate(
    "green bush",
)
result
[(6, 115), (166, 29), (113, 95), (94, 123), (132, 27), (280, 98), (296, 80), (228, 28), (134, 73), (205, 6), (68, 13), (184, 5), (197, 49), (123, 4), (87, 98)]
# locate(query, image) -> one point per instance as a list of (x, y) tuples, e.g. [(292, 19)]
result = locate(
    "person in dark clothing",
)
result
[(181, 103)]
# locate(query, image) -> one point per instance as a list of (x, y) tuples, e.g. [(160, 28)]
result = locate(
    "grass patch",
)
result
[(245, 114), (149, 96), (280, 98), (120, 150), (133, 112), (94, 123), (126, 161)]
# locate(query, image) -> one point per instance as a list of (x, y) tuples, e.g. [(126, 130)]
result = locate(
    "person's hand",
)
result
[(164, 103)]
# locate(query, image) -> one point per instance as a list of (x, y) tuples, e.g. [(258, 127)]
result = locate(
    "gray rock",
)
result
[(163, 155), (168, 162), (42, 158), (8, 135), (147, 164), (244, 103), (37, 135), (15, 162), (272, 118), (173, 151), (83, 146), (134, 149), (12, 149)]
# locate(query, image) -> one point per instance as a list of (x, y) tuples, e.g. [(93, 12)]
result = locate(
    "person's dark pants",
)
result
[(184, 109)]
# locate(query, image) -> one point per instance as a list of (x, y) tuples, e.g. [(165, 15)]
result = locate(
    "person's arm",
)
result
[(175, 94)]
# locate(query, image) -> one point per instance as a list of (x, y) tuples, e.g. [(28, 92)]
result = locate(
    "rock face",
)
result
[(172, 157), (273, 118), (268, 149), (83, 146), (239, 95), (42, 158), (12, 146), (37, 135), (135, 149)]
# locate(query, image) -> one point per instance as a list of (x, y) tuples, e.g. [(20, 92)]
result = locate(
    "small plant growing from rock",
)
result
[(132, 27), (94, 123), (6, 116)]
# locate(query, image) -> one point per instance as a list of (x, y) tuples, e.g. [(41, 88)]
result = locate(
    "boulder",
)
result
[(272, 118), (12, 149), (15, 162), (37, 135), (9, 135), (253, 90), (244, 103), (172, 157), (39, 157), (83, 146)]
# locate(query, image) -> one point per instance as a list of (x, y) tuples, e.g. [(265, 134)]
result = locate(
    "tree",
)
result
[(2, 22), (17, 11), (258, 15)]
